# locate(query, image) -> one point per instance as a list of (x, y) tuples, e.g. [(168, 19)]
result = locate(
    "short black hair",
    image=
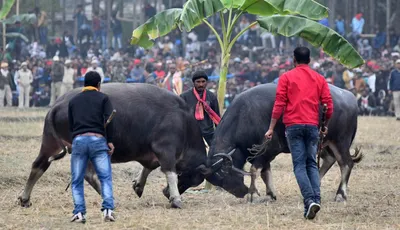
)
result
[(302, 55), (199, 74), (92, 78)]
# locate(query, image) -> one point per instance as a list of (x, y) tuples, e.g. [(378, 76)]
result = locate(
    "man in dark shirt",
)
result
[(203, 104), (87, 113)]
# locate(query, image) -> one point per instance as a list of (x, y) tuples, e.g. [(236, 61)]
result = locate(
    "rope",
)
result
[(258, 150)]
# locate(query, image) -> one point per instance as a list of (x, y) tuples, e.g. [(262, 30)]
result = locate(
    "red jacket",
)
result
[(299, 93)]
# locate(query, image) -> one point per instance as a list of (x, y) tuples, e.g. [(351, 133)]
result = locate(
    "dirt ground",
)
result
[(373, 202)]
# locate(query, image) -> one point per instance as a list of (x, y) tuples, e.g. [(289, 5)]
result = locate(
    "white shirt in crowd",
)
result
[(371, 82), (99, 70)]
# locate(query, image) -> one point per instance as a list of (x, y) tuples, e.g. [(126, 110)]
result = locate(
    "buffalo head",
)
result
[(221, 172)]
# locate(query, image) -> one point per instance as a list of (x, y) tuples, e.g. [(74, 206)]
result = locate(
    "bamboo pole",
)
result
[(17, 7), (388, 9)]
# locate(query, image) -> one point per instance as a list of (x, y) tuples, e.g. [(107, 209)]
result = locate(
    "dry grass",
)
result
[(374, 192)]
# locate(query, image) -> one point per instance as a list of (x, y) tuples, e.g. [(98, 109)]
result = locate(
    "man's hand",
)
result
[(111, 146), (269, 133), (324, 132)]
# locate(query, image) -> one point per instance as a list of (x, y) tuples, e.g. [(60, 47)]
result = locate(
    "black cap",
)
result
[(198, 75)]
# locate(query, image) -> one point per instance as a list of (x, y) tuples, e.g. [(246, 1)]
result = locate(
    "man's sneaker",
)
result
[(108, 215), (79, 218), (312, 210)]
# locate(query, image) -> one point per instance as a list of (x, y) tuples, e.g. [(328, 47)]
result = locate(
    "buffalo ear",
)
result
[(206, 171)]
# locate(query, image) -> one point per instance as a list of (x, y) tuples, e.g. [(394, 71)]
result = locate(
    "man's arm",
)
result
[(215, 106), (70, 119), (280, 101), (326, 98), (107, 113), (391, 81)]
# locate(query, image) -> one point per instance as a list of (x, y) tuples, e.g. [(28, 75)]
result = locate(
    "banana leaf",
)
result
[(316, 34), (157, 26), (23, 18), (7, 5), (194, 11), (307, 8), (16, 35)]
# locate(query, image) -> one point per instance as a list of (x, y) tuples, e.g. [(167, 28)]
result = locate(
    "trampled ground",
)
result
[(373, 202)]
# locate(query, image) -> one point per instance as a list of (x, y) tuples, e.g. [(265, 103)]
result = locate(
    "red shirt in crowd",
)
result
[(299, 93)]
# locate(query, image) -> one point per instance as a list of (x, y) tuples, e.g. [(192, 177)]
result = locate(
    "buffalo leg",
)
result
[(140, 181), (345, 162), (328, 160), (266, 175), (166, 155), (254, 174), (48, 148), (91, 178)]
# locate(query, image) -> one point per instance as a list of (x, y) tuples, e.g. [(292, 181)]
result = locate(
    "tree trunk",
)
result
[(53, 18), (95, 6), (372, 15), (109, 33), (64, 3), (388, 13), (332, 15)]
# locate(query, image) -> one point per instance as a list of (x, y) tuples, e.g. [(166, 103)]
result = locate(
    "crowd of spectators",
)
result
[(58, 65)]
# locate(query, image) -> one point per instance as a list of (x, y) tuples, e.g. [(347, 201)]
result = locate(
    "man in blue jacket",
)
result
[(394, 88)]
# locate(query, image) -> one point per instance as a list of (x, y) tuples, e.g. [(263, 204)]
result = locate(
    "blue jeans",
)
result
[(303, 142), (95, 149)]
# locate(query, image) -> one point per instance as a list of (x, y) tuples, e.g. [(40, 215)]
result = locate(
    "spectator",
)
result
[(42, 25), (357, 25), (348, 77), (137, 71), (24, 80), (95, 67), (394, 87), (116, 27), (359, 82), (149, 11), (173, 80), (339, 23), (118, 72), (366, 103), (6, 81), (57, 74), (69, 78)]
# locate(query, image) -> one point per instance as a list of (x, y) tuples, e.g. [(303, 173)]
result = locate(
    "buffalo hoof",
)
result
[(24, 202), (176, 203), (271, 196), (166, 192), (340, 198), (137, 188), (252, 191)]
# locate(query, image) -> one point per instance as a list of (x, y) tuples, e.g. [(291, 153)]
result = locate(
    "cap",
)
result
[(56, 58), (68, 62), (4, 65), (398, 61), (198, 75)]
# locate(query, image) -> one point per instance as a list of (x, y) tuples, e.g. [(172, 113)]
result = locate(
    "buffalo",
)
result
[(245, 123), (152, 126)]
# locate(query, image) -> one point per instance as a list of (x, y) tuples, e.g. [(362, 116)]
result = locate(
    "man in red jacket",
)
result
[(299, 94)]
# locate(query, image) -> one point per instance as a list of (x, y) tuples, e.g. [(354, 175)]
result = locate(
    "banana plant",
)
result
[(285, 17)]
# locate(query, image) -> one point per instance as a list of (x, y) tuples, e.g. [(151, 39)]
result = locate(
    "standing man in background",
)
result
[(87, 113), (24, 81), (6, 76), (57, 74), (69, 78), (203, 104), (394, 88), (95, 67), (298, 96)]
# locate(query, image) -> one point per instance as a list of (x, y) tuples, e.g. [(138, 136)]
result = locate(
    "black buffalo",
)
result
[(245, 123), (151, 126)]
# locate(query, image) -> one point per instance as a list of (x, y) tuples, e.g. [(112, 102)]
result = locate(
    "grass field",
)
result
[(373, 202)]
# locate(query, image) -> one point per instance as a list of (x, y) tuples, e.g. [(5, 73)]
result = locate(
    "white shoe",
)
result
[(79, 218), (108, 215)]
